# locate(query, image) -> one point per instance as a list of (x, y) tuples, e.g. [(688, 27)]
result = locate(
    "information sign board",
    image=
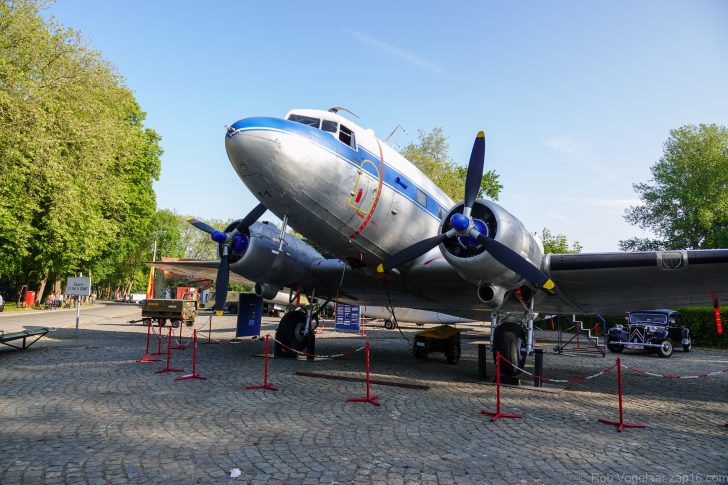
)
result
[(78, 286)]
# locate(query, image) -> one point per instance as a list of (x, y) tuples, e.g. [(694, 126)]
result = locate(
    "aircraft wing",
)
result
[(199, 269), (618, 282)]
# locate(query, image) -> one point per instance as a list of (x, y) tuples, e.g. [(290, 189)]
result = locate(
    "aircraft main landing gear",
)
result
[(291, 331), (509, 340)]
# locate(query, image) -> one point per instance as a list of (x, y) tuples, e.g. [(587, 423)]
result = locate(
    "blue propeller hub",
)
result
[(459, 222), (218, 237), (471, 242), (240, 243)]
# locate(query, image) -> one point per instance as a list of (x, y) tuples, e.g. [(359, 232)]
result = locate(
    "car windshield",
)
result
[(652, 318)]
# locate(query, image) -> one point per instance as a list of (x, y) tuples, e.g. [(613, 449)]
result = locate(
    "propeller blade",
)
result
[(475, 170), (201, 225), (221, 283), (514, 261), (252, 216), (417, 249)]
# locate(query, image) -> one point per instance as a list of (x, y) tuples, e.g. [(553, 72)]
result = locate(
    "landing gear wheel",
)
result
[(665, 350), (389, 324), (291, 330), (452, 354), (615, 347), (508, 341)]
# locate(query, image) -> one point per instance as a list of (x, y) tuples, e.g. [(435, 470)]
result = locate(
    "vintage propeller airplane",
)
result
[(401, 242)]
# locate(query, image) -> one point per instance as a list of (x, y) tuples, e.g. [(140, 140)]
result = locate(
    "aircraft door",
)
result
[(364, 193)]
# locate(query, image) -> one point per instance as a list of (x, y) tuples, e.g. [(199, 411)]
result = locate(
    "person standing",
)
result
[(59, 300)]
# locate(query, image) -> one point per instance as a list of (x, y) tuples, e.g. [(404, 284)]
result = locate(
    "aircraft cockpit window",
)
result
[(330, 126), (346, 136), (421, 198), (305, 120)]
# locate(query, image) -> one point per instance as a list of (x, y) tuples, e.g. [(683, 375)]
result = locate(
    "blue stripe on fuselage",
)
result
[(327, 141)]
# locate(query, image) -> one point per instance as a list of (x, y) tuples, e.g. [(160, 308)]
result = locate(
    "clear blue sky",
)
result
[(576, 97)]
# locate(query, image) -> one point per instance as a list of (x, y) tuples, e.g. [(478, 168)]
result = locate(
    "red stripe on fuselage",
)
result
[(376, 198)]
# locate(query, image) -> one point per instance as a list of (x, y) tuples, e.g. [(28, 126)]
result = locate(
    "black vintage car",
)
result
[(653, 330)]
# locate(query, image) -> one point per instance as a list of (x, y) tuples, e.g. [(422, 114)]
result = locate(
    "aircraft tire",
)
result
[(290, 330), (508, 339)]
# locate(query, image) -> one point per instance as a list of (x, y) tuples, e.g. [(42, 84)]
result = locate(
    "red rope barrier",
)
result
[(369, 398), (266, 385), (494, 415)]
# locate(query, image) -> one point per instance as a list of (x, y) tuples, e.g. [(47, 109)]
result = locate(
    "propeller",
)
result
[(463, 225), (235, 239)]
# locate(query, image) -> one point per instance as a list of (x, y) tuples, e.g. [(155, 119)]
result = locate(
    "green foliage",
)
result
[(558, 244), (701, 322), (78, 164), (431, 155), (686, 203)]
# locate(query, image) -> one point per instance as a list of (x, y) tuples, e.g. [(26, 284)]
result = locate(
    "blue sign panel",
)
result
[(347, 317), (250, 311)]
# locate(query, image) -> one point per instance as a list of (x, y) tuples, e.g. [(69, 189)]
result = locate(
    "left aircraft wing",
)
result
[(618, 282), (199, 269)]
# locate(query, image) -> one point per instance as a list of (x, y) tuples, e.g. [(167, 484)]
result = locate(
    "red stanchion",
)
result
[(194, 374), (167, 368), (266, 385), (370, 399), (179, 345), (146, 357), (159, 340), (497, 414), (620, 424), (361, 326), (209, 333)]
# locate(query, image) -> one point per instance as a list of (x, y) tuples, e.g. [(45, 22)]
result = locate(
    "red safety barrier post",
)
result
[(620, 424), (159, 340), (146, 357), (194, 374), (209, 333), (179, 345), (266, 385), (361, 325), (497, 414), (167, 368), (370, 399)]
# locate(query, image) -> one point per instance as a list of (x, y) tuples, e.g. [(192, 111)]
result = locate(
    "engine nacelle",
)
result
[(491, 296), (266, 290), (260, 261), (475, 264)]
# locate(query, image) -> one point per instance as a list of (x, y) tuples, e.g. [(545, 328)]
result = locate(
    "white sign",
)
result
[(78, 286)]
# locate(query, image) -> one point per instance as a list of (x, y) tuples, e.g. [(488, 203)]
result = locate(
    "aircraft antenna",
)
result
[(336, 109), (386, 140)]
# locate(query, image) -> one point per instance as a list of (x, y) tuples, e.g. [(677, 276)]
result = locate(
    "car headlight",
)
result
[(619, 326), (651, 329)]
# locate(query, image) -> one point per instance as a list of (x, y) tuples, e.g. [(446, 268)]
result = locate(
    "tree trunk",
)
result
[(41, 289)]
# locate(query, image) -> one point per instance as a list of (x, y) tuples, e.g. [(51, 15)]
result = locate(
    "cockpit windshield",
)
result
[(306, 120), (651, 318)]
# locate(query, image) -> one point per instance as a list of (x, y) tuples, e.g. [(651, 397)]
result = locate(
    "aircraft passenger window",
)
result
[(421, 198), (347, 136), (305, 120), (330, 126)]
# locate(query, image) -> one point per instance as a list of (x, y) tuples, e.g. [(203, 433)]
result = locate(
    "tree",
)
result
[(558, 244), (431, 155), (686, 203)]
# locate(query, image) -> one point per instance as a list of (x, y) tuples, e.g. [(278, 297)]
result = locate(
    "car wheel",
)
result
[(233, 309), (689, 346), (508, 341), (175, 323), (665, 350), (615, 347), (389, 324)]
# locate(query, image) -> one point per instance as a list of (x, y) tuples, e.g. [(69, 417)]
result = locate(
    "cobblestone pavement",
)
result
[(81, 410)]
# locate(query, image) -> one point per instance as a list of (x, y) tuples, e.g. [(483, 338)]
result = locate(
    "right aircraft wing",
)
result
[(617, 282)]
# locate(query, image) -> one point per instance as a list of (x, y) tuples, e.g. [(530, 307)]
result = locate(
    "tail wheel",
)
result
[(508, 340), (291, 330)]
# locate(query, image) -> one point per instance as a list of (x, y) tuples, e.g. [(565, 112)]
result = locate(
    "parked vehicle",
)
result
[(653, 330), (176, 311)]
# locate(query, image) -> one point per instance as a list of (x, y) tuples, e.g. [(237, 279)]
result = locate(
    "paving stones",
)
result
[(83, 411)]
